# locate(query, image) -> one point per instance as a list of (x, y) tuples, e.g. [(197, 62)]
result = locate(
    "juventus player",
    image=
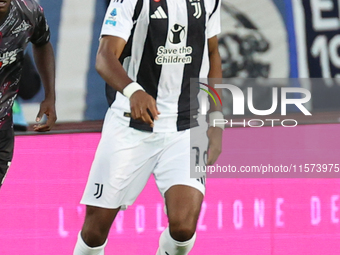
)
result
[(21, 22), (149, 50)]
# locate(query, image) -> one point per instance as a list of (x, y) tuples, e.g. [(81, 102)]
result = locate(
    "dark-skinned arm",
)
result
[(44, 59), (111, 70), (214, 133)]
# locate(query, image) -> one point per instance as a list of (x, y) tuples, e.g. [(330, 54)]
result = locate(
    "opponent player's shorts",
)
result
[(126, 157), (6, 152)]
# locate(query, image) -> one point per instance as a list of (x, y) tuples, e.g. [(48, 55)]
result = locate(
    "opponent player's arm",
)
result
[(111, 70), (214, 133), (44, 59)]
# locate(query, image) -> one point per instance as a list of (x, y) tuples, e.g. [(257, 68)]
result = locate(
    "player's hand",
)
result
[(143, 107), (215, 144), (47, 107)]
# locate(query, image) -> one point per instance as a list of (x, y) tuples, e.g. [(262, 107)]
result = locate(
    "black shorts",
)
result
[(6, 151)]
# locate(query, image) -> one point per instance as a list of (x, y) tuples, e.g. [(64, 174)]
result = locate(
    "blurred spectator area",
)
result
[(259, 39), (75, 28)]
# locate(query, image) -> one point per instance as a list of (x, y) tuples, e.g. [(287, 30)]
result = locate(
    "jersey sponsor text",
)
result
[(173, 55), (8, 58)]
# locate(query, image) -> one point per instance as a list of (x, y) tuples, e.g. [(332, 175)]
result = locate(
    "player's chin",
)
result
[(4, 5)]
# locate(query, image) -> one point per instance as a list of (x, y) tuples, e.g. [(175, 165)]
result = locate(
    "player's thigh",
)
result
[(183, 205), (98, 220), (6, 152), (177, 161)]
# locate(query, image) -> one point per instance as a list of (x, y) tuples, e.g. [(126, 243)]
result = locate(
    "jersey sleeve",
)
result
[(118, 20), (41, 31), (214, 22)]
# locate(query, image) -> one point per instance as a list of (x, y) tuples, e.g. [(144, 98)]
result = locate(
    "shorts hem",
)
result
[(122, 207), (201, 189)]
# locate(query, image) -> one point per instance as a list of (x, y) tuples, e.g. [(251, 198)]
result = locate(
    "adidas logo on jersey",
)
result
[(159, 14)]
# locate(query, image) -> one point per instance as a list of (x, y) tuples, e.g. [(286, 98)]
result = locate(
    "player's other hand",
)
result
[(215, 144), (143, 107), (47, 107)]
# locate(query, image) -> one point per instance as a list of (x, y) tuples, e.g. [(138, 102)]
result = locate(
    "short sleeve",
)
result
[(41, 32), (214, 22), (118, 20)]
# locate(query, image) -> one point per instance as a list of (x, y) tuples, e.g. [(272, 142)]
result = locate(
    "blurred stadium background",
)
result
[(39, 203)]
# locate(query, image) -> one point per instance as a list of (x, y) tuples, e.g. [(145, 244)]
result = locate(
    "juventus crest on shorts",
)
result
[(167, 44)]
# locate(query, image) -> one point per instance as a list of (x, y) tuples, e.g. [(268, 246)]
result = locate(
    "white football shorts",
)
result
[(126, 157)]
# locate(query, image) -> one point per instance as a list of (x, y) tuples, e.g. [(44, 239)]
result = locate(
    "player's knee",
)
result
[(93, 237), (182, 224), (182, 232)]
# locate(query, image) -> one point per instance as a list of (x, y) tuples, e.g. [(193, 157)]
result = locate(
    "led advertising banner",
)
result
[(41, 214)]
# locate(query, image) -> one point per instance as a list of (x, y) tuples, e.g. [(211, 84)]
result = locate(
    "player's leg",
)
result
[(183, 195), (183, 205), (97, 225), (93, 236), (6, 152), (121, 192), (122, 166)]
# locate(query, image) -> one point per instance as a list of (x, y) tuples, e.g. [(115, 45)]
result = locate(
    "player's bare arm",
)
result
[(44, 59), (214, 133), (143, 106)]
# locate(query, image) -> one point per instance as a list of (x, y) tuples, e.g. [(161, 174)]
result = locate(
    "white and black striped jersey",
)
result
[(167, 44)]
